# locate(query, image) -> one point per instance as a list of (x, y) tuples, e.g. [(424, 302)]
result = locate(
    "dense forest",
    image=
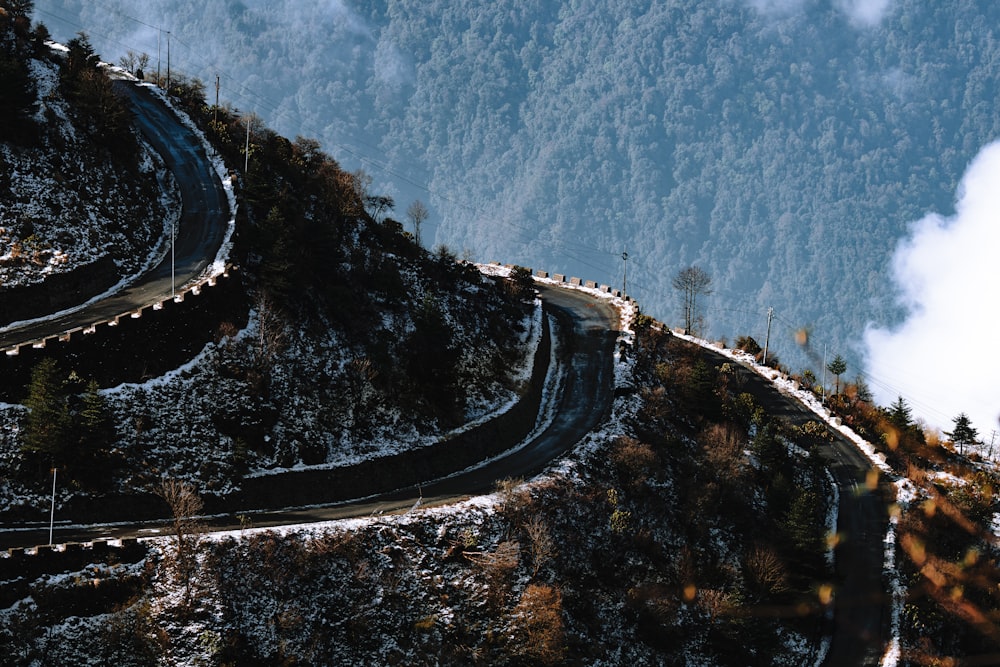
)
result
[(785, 147)]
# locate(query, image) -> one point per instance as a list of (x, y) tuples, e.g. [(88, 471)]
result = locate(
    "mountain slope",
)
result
[(70, 200), (783, 146)]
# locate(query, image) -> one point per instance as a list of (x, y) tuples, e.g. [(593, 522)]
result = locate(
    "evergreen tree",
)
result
[(95, 427), (49, 424), (900, 415), (18, 95), (964, 432), (803, 522), (837, 367)]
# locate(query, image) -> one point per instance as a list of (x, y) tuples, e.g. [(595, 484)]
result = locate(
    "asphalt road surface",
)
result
[(200, 232)]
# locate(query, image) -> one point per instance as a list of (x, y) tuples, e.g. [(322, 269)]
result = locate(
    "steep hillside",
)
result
[(358, 343), (688, 530), (78, 186)]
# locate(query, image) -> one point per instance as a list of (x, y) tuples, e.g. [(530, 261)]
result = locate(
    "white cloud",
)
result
[(865, 12), (942, 358)]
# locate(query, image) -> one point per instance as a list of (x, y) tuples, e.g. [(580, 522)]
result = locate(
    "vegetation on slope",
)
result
[(689, 530), (77, 186), (359, 341)]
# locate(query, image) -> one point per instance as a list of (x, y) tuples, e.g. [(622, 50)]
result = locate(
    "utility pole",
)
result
[(767, 336), (158, 32), (52, 512), (168, 62), (823, 395), (625, 274), (246, 151), (216, 118)]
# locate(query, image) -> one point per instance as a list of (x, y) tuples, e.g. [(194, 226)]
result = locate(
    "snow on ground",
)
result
[(68, 207)]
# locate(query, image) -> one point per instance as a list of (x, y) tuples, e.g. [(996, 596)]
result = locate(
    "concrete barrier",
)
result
[(172, 324)]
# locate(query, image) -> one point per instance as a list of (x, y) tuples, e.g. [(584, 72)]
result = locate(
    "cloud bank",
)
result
[(943, 358)]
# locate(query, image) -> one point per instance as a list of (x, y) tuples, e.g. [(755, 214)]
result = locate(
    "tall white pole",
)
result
[(246, 151), (52, 512), (767, 336), (168, 62), (824, 374)]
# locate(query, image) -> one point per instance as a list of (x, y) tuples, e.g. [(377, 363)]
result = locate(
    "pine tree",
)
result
[(837, 367), (900, 415), (48, 426), (964, 432), (95, 427)]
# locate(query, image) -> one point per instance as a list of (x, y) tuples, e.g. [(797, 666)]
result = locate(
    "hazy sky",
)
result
[(948, 278)]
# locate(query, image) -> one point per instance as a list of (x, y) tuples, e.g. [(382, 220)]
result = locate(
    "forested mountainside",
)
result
[(692, 528), (783, 146)]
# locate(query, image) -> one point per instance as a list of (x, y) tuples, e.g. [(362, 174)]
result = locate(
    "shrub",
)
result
[(538, 625)]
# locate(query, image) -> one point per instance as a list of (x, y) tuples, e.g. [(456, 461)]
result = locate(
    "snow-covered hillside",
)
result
[(68, 202)]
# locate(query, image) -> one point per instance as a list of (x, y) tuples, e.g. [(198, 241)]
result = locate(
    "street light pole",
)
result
[(168, 63), (625, 274), (52, 511)]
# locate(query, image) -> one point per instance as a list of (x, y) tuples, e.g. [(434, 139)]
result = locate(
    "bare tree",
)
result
[(185, 509), (691, 282), (497, 566), (541, 545), (135, 63), (270, 332), (417, 213), (376, 206)]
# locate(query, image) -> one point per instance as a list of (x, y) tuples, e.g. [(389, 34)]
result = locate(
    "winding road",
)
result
[(587, 336), (861, 604), (587, 339), (204, 219)]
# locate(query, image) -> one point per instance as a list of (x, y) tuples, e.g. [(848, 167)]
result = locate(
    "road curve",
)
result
[(200, 233), (860, 602), (587, 334)]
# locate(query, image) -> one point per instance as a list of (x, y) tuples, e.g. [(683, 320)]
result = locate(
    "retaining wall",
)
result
[(58, 292), (136, 345)]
